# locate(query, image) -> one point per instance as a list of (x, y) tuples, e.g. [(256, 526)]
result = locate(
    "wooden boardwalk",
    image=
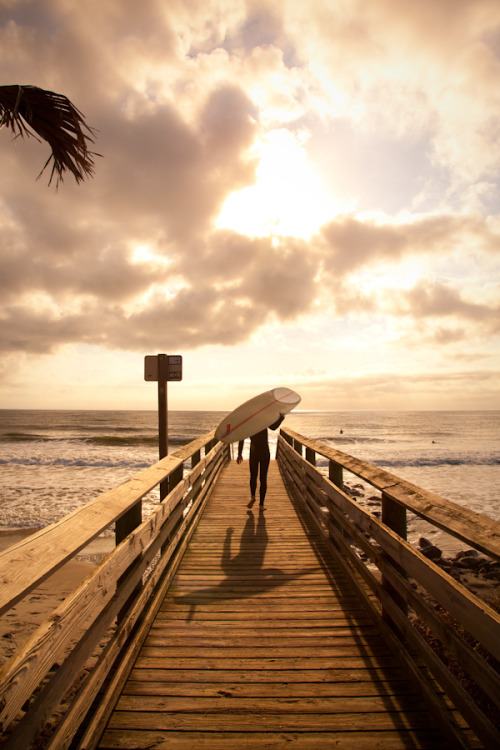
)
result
[(261, 642)]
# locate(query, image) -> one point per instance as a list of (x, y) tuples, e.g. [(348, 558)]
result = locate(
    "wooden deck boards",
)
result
[(258, 645)]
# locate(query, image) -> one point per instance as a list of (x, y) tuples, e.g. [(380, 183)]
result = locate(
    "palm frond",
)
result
[(56, 120)]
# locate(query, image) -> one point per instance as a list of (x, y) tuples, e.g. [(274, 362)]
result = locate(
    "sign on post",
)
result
[(161, 368), (174, 367)]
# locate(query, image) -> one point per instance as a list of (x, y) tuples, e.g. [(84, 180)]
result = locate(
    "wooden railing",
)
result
[(414, 601), (127, 587)]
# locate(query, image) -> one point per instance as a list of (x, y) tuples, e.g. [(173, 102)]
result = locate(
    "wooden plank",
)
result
[(273, 722), (171, 740), (172, 638), (243, 651), (342, 675), (267, 689), (276, 704), (269, 664)]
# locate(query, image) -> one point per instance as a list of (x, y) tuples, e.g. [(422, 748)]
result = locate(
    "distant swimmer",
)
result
[(341, 431)]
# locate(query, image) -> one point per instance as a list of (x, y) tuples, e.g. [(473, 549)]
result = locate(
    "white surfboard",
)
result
[(256, 414)]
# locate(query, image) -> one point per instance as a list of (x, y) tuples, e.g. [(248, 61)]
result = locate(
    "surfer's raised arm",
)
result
[(275, 425), (240, 452)]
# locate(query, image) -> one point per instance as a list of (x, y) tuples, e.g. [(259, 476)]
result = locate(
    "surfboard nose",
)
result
[(286, 396)]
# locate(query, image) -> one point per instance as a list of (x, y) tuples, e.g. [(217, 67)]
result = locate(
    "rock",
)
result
[(355, 491), (444, 564), (466, 553), (429, 549), (471, 563), (493, 575), (432, 552), (423, 542)]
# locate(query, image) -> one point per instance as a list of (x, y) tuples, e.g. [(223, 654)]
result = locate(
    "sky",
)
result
[(288, 193)]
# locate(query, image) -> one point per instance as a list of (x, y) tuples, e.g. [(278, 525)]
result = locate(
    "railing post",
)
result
[(311, 456), (173, 480), (123, 527), (297, 446), (128, 522), (394, 516), (163, 418), (175, 477), (335, 474)]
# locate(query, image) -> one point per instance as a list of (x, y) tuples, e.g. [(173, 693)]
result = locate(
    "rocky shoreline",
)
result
[(475, 571), (478, 573)]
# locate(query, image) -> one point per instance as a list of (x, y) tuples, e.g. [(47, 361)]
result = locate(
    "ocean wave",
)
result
[(87, 462), (107, 440), (349, 439), (439, 461)]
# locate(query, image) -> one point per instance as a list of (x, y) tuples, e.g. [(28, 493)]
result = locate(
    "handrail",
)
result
[(408, 594), (26, 564), (475, 529), (84, 625)]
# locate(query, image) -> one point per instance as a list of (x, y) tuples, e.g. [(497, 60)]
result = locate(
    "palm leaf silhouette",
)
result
[(54, 119)]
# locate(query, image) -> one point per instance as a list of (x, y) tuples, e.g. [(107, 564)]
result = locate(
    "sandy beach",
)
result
[(17, 624)]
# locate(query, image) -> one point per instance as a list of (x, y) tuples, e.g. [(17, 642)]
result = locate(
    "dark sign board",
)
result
[(174, 367)]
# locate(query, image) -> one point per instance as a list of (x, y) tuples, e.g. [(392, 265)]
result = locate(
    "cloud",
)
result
[(431, 389), (431, 299), (349, 242), (181, 95), (408, 69), (225, 286)]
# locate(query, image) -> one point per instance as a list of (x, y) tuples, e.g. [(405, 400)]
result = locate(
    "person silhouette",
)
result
[(259, 460)]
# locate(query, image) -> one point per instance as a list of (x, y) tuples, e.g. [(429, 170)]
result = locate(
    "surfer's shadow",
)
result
[(245, 573)]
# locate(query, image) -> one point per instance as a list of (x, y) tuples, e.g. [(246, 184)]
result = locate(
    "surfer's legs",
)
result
[(264, 466), (254, 470), (258, 461)]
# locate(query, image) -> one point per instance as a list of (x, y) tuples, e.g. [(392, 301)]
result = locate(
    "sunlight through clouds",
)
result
[(300, 189), (288, 197)]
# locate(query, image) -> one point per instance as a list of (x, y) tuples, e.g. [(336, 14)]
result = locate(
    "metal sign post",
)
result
[(162, 368)]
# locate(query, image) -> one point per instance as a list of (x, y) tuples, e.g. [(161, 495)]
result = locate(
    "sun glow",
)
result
[(288, 197)]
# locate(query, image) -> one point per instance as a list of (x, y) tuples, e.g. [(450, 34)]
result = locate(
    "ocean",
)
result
[(52, 462)]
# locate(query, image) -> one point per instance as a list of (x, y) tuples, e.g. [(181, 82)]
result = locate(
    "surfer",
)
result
[(259, 457)]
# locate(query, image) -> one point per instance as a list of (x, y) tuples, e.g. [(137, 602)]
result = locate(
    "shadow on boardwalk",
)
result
[(245, 572)]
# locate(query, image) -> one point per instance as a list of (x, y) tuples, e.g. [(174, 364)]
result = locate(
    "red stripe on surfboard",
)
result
[(276, 400)]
